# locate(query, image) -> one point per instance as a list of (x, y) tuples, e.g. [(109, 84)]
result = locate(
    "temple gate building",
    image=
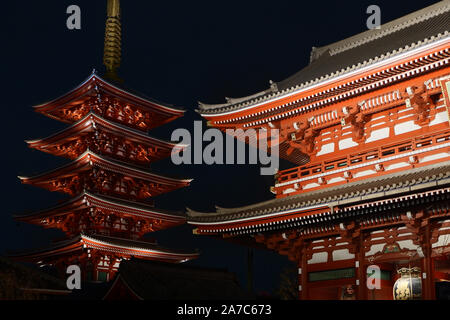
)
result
[(107, 178), (367, 124)]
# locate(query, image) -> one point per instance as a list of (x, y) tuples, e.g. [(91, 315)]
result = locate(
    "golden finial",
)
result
[(113, 40)]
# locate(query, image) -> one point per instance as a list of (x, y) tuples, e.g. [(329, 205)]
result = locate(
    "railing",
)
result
[(398, 148)]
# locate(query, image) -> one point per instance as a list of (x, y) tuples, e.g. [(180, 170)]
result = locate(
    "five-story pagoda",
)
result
[(107, 179)]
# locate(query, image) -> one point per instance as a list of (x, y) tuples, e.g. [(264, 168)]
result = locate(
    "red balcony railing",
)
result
[(383, 152)]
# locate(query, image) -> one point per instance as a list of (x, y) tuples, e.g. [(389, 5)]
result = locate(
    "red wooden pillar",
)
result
[(429, 291), (360, 268), (432, 277), (303, 276)]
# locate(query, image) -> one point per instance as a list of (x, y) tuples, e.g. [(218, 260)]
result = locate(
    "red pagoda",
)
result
[(367, 123), (107, 177)]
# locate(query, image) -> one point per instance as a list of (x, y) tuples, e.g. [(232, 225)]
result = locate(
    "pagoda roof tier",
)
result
[(143, 113), (315, 205), (85, 201), (92, 123), (124, 248), (85, 163), (332, 62)]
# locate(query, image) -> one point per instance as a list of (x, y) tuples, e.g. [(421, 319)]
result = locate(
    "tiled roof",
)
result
[(76, 242), (134, 244), (331, 61), (396, 37), (372, 188), (92, 119), (94, 77), (66, 206), (110, 163)]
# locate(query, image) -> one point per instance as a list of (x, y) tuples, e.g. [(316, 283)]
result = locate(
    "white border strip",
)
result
[(361, 70)]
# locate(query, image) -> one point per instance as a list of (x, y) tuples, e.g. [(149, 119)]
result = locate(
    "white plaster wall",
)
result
[(378, 134), (326, 148), (375, 248), (318, 257), (342, 254), (440, 118), (404, 127), (347, 143)]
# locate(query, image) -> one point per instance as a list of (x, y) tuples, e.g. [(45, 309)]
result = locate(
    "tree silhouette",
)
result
[(288, 287)]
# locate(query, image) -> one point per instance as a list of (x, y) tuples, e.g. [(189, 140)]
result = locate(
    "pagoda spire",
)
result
[(113, 40)]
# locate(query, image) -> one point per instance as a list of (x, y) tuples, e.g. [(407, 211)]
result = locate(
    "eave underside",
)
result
[(88, 160), (404, 182), (108, 245), (90, 123), (93, 88), (85, 201)]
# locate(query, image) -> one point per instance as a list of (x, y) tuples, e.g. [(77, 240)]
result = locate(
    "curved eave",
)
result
[(58, 209), (414, 48), (82, 88), (89, 84), (136, 248), (129, 205), (397, 183), (86, 160), (202, 107), (123, 247), (272, 215), (86, 200), (387, 28), (87, 125), (371, 214)]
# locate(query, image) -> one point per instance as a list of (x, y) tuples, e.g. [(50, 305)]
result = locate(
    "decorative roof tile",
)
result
[(395, 183), (396, 37)]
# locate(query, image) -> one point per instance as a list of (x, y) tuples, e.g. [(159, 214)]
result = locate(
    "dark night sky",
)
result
[(175, 51)]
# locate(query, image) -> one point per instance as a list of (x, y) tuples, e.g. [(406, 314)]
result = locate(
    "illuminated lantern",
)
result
[(409, 285)]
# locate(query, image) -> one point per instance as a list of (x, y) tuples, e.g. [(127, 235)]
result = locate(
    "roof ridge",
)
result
[(90, 153), (387, 28), (318, 194), (141, 205), (99, 80), (110, 199), (306, 85), (134, 244), (92, 114)]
